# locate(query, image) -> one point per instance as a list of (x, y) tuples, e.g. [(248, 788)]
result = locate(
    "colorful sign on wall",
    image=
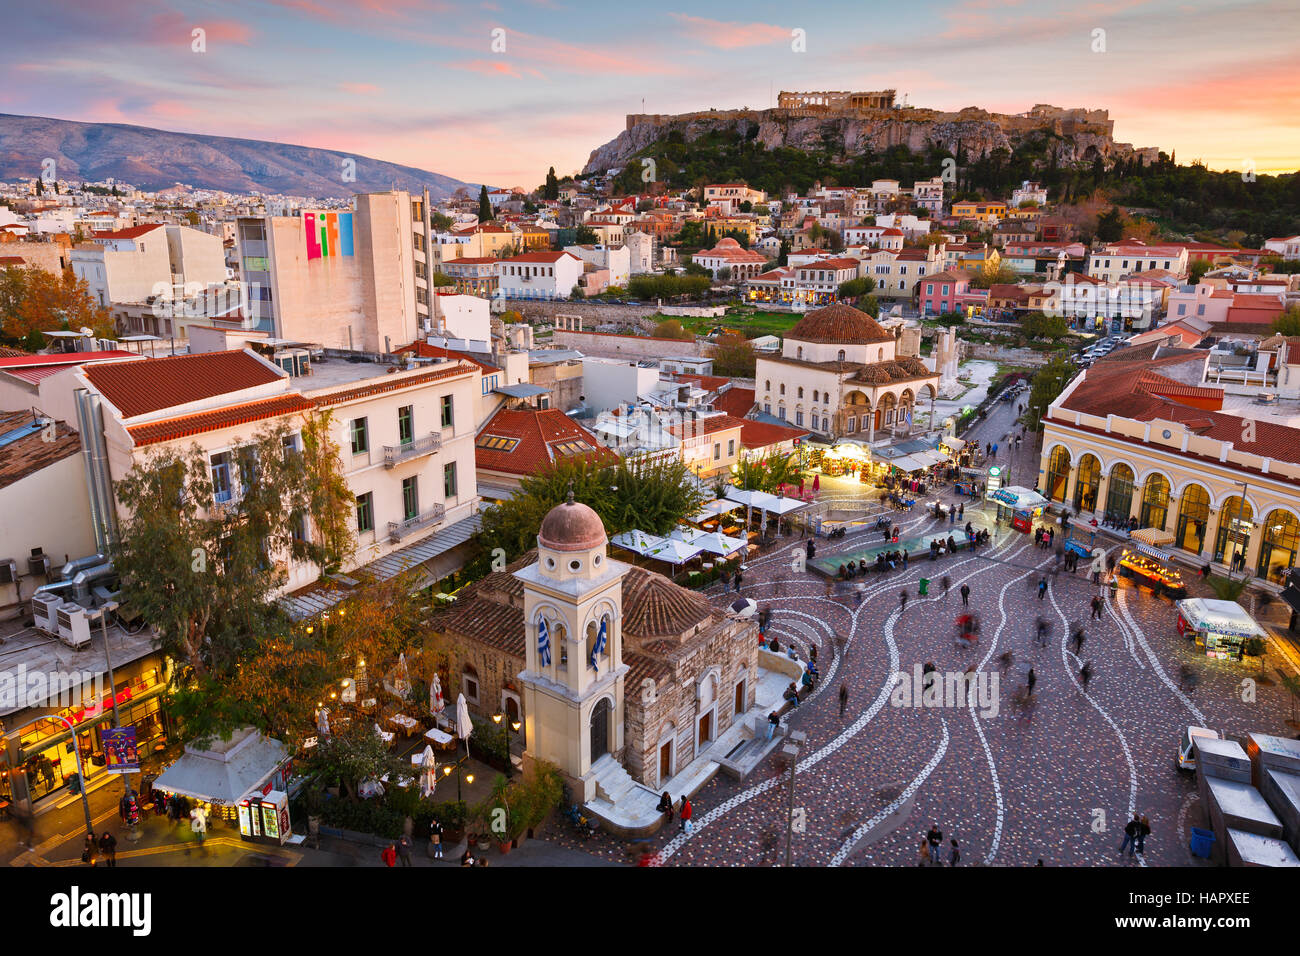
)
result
[(328, 234)]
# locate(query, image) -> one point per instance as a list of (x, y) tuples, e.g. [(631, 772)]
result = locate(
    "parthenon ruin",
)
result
[(837, 100)]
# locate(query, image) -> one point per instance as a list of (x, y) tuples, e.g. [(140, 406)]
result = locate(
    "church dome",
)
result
[(727, 243), (839, 324), (571, 526)]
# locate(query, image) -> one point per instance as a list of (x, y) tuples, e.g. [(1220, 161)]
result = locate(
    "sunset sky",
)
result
[(418, 82)]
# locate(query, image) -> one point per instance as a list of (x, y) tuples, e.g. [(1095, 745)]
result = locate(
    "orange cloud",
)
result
[(732, 36), (492, 68)]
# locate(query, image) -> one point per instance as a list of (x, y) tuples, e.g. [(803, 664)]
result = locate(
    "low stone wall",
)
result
[(1012, 356), (608, 345), (593, 313)]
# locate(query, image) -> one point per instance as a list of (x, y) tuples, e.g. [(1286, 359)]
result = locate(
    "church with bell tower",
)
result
[(574, 673)]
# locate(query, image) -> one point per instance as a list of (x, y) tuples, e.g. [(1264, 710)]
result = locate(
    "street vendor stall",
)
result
[(845, 458), (1147, 565), (244, 778), (1221, 627), (1017, 506)]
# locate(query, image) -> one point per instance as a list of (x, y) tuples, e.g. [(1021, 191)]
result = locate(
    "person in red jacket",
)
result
[(389, 855), (685, 814)]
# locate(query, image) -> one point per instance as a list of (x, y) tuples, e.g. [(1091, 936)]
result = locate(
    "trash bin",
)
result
[(923, 588), (1202, 842)]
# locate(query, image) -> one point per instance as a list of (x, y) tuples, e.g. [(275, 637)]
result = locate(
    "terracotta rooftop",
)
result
[(838, 324), (425, 350), (152, 384), (379, 386), (184, 426), (531, 439), (763, 434), (27, 456)]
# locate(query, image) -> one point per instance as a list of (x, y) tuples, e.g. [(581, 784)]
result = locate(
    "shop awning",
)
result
[(953, 442), (1219, 617), (1152, 536), (226, 772), (1152, 552)]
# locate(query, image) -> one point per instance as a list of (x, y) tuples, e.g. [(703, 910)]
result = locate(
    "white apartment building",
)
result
[(929, 195), (641, 252), (342, 279), (406, 438), (1084, 300), (617, 259), (129, 265), (1028, 191), (538, 275), (1288, 247), (1120, 259)]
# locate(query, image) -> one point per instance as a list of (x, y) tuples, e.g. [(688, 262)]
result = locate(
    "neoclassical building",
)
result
[(1138, 436), (619, 676), (840, 376)]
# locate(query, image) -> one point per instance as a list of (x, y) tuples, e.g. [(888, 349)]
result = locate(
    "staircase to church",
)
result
[(613, 783)]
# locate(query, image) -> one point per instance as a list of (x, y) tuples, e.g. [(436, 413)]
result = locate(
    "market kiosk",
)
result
[(1147, 565), (1017, 506), (1221, 627)]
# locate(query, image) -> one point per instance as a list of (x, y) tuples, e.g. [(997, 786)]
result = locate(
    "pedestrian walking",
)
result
[(1144, 830), (108, 848), (404, 849), (1085, 674), (686, 813), (773, 722), (389, 855), (924, 859), (199, 823), (1042, 631), (961, 510), (902, 601), (857, 595), (935, 838), (965, 595), (904, 559), (947, 583), (844, 697), (1131, 830), (954, 854), (435, 839), (738, 582), (1097, 605), (1030, 681), (90, 850), (1077, 639), (665, 806), (1042, 587), (26, 825)]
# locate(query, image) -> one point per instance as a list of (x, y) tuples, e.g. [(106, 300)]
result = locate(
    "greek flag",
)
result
[(909, 414), (544, 643), (599, 647)]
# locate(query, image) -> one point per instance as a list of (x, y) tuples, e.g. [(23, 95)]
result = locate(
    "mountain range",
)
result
[(153, 159)]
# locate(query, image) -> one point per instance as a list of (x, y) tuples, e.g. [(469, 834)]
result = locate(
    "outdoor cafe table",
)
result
[(439, 738), (408, 724)]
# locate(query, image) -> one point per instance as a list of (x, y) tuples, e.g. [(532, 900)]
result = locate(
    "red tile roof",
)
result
[(135, 232), (152, 384), (706, 426), (425, 350), (538, 432), (14, 358), (28, 455), (736, 402), (150, 433), (542, 257), (763, 434)]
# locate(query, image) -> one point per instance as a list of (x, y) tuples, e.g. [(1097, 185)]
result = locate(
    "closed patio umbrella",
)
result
[(436, 703), (428, 778)]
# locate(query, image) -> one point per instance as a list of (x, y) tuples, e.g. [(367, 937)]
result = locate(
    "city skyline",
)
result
[(497, 92)]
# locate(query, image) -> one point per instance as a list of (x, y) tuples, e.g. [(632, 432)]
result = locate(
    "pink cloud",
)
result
[(344, 11), (359, 89), (172, 27), (731, 36), (492, 68)]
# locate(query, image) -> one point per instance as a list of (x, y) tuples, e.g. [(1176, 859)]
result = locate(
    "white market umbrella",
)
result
[(428, 778), (638, 542), (674, 551), (436, 703), (745, 607), (711, 541)]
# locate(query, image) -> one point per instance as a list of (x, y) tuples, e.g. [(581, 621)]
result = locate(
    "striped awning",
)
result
[(1152, 536), (1152, 552)]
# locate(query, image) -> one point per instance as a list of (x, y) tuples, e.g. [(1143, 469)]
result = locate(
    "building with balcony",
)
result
[(538, 275)]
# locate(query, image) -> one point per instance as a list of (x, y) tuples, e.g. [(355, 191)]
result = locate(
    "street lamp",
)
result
[(797, 737), (500, 718), (447, 769)]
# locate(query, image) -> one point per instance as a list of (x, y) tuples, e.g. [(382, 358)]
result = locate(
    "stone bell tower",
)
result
[(573, 641)]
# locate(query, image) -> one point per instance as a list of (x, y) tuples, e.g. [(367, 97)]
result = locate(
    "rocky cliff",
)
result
[(851, 133)]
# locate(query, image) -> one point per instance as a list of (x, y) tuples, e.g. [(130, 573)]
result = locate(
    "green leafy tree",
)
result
[(552, 188), (1288, 323), (352, 757), (769, 474), (1047, 384), (1038, 325), (1110, 225), (671, 329), (652, 495), (1196, 270), (733, 356), (586, 236), (856, 288), (204, 571)]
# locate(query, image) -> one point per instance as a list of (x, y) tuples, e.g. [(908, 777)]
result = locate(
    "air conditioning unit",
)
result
[(74, 625), (39, 564), (8, 570), (44, 609)]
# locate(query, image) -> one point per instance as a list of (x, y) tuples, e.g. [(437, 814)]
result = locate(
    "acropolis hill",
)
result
[(873, 120)]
